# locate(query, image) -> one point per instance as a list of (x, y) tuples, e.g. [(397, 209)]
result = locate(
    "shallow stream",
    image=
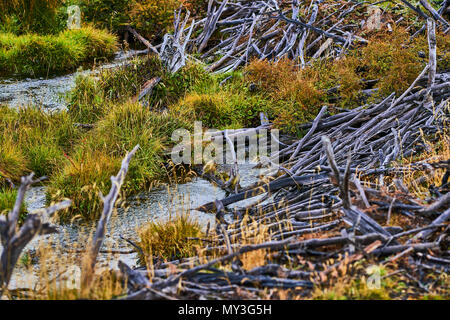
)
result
[(156, 205), (49, 93)]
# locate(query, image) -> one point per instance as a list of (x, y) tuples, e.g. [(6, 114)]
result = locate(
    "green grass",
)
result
[(7, 200), (79, 162), (31, 16), (89, 100), (42, 55), (92, 97), (33, 140), (98, 155), (168, 240)]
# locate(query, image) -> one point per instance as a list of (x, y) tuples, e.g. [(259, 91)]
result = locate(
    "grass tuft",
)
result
[(168, 240), (41, 55)]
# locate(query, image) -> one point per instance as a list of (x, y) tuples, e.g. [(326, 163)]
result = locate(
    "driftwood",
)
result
[(357, 144), (14, 238), (233, 31), (108, 207), (320, 184)]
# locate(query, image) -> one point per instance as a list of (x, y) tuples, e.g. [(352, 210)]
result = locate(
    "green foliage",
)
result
[(105, 14), (25, 16), (390, 59), (293, 93), (222, 109), (174, 86), (99, 154), (168, 240), (33, 140), (7, 201), (92, 97), (34, 55), (13, 163)]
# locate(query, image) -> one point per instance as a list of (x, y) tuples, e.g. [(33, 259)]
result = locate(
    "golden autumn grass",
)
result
[(56, 276), (437, 149)]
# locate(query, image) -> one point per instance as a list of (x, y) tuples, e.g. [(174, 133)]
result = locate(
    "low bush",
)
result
[(33, 140), (7, 201), (41, 55), (168, 240), (98, 155), (90, 98), (389, 60)]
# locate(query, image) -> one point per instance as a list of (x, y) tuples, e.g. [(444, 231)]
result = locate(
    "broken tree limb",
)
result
[(14, 238), (143, 40), (108, 205)]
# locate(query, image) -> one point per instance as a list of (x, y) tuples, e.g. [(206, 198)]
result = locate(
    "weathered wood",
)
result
[(14, 239), (143, 40), (108, 206)]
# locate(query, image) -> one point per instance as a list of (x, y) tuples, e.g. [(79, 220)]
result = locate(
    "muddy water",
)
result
[(50, 93)]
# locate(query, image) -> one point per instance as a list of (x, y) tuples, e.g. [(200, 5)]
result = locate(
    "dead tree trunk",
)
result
[(14, 239)]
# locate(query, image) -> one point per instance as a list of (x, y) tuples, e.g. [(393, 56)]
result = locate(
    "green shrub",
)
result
[(153, 18), (90, 97), (34, 55), (33, 140), (127, 81), (24, 16), (105, 14), (222, 109), (391, 59), (168, 240), (7, 201), (13, 163), (87, 170)]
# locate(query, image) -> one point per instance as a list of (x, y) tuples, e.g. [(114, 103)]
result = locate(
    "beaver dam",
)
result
[(329, 176)]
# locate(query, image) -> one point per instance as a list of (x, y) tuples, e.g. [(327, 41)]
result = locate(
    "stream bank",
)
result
[(50, 93), (159, 204)]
